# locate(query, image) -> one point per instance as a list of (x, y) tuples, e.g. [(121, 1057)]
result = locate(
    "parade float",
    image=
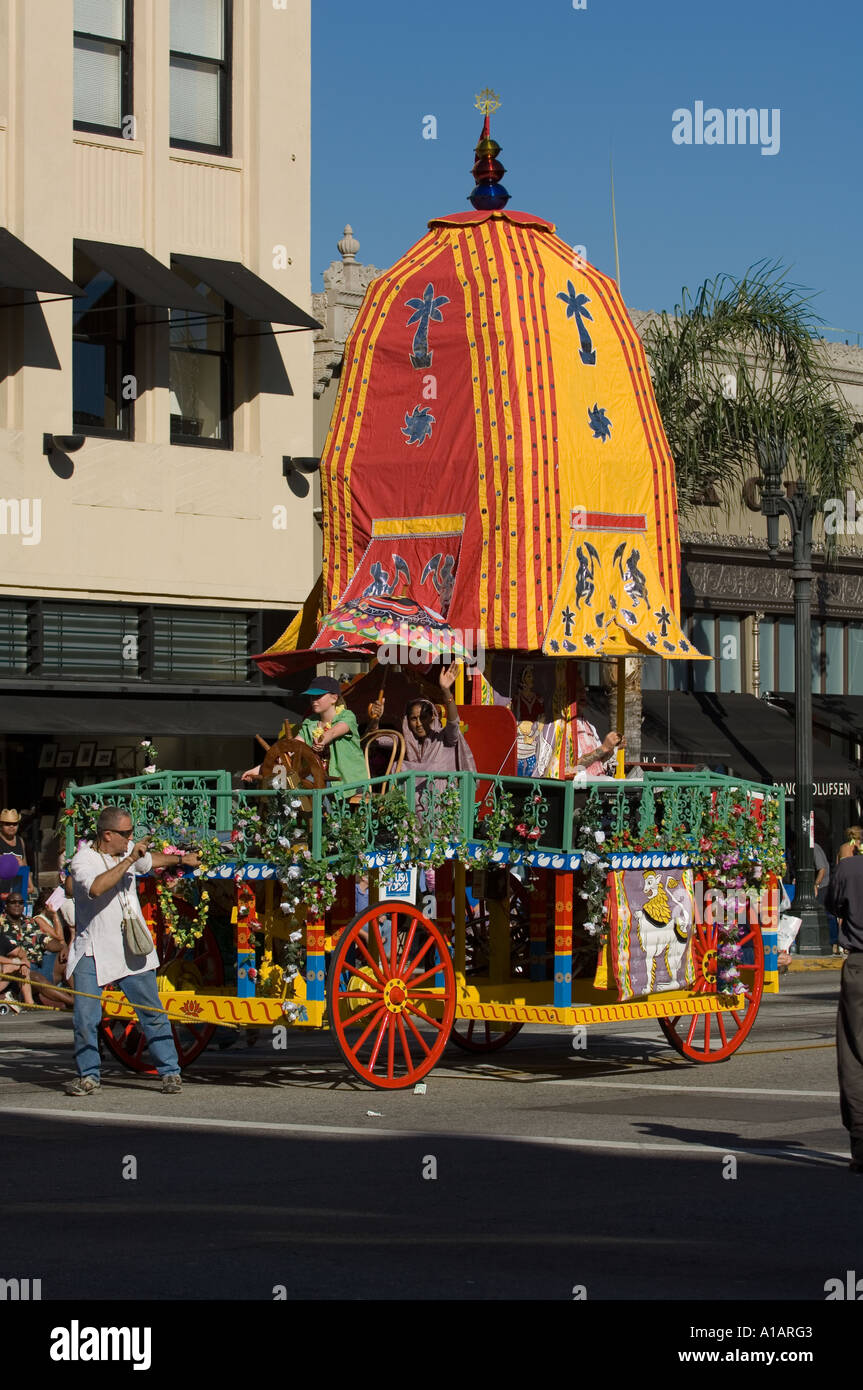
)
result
[(497, 491)]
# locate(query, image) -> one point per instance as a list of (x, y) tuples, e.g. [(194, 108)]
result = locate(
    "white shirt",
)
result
[(98, 921)]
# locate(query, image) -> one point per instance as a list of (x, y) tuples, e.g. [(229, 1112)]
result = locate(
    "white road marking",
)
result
[(378, 1132), (646, 1085)]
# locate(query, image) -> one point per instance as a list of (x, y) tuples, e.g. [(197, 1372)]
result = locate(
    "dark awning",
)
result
[(831, 714), (748, 737), (143, 276), (247, 291), (21, 268), (59, 715)]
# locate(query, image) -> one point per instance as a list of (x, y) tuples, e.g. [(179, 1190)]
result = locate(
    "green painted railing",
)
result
[(522, 814)]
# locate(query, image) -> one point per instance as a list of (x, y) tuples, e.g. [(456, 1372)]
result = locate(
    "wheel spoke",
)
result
[(366, 952), (394, 938), (385, 1021), (352, 970), (427, 975), (407, 946), (707, 1032), (720, 1023), (417, 1034), (382, 957), (426, 1018), (406, 1050), (408, 970), (357, 1015), (690, 1035), (354, 1051), (391, 1044)]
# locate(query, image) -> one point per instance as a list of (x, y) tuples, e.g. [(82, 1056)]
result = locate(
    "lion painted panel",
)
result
[(652, 922)]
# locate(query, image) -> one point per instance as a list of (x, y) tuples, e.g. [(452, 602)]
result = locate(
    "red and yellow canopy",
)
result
[(495, 454)]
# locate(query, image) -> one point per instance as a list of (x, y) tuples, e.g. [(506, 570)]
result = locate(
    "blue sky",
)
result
[(577, 86)]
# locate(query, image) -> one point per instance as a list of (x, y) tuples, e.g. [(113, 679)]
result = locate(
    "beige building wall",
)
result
[(147, 520)]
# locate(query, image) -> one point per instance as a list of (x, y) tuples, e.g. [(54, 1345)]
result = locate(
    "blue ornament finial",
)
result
[(489, 192)]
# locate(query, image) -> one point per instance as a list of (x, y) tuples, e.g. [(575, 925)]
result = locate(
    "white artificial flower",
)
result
[(295, 936), (599, 836), (589, 857)]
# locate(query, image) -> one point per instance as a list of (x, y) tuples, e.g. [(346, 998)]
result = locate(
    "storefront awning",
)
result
[(749, 737), (143, 276), (22, 268), (831, 714), (246, 291), (58, 716)]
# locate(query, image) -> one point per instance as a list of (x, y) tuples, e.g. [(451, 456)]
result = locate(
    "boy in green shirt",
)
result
[(331, 729)]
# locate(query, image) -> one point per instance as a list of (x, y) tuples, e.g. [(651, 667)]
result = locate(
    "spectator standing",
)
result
[(104, 874), (11, 842), (845, 900)]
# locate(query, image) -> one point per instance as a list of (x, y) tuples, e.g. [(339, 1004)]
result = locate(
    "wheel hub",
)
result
[(395, 995)]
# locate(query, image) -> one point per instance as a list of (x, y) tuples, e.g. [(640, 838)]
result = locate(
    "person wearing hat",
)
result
[(11, 842), (331, 731)]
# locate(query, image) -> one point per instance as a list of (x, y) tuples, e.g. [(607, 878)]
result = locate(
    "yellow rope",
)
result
[(82, 994)]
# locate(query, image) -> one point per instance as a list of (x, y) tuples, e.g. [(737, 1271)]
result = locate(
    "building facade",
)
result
[(156, 363)]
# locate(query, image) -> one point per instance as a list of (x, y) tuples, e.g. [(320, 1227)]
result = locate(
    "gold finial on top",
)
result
[(486, 101)]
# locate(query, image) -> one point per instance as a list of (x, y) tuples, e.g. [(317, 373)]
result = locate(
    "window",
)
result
[(201, 75), (855, 658), (718, 635), (113, 642), (834, 662), (13, 637), (103, 67), (200, 369), (103, 386), (93, 640), (200, 645), (785, 656)]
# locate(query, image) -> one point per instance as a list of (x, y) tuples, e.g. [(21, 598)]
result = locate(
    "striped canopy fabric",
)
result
[(493, 375)]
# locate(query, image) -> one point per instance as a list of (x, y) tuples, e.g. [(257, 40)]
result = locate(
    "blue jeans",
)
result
[(138, 989)]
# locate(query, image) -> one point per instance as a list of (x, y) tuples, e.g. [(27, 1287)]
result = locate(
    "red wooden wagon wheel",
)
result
[(390, 1018), (192, 967), (484, 1035), (713, 1037)]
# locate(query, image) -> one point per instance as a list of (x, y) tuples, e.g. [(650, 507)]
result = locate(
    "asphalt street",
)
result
[(622, 1170)]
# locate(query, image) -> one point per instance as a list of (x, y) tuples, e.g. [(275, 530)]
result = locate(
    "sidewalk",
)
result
[(815, 963)]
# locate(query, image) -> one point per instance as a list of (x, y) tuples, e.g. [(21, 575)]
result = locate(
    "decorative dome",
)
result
[(496, 409), (348, 245), (495, 461)]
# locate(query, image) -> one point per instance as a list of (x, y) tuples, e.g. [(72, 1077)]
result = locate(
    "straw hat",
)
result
[(7, 814)]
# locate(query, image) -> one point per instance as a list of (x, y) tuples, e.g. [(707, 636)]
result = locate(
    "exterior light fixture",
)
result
[(64, 443), (299, 465)]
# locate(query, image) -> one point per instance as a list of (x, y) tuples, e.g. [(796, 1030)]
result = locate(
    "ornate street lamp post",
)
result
[(814, 935)]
